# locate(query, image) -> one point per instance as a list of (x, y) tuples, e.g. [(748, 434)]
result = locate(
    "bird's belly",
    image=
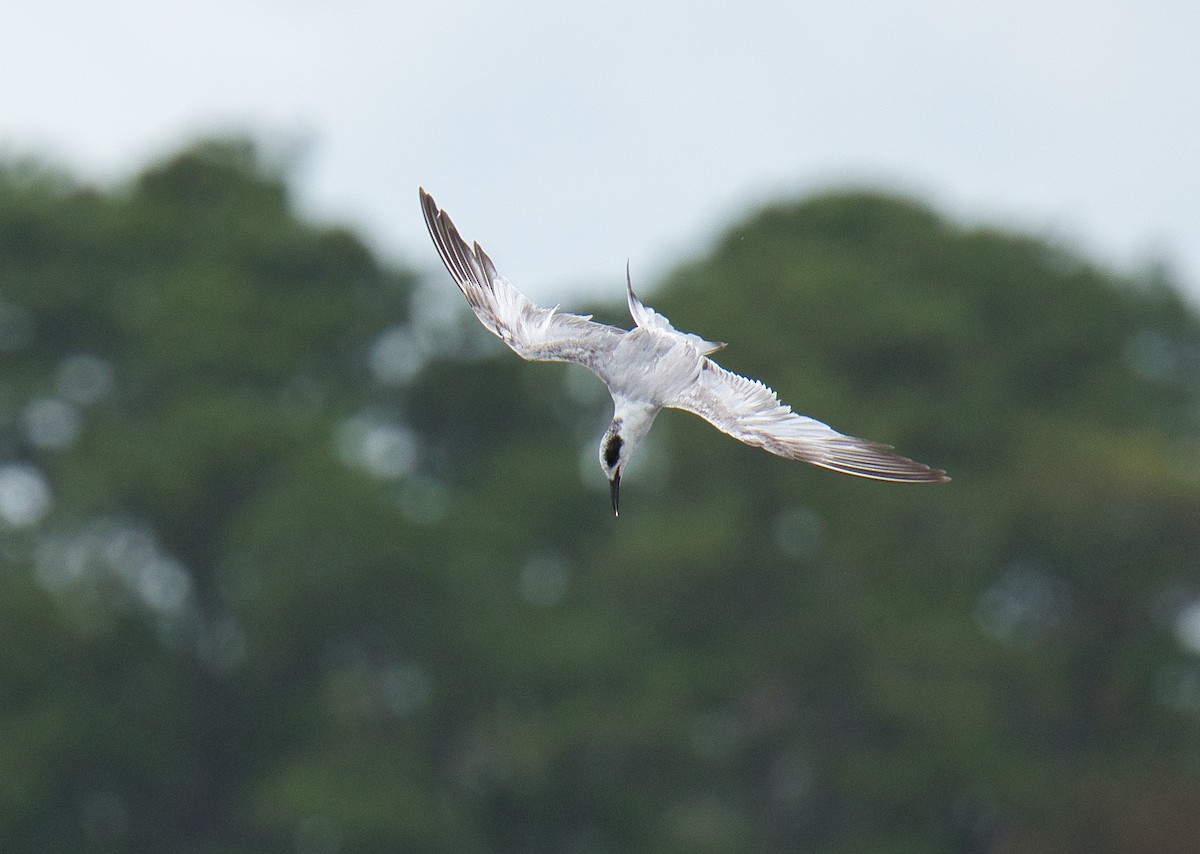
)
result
[(654, 367)]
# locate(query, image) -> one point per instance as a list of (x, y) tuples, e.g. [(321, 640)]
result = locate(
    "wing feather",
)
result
[(751, 412), (538, 334)]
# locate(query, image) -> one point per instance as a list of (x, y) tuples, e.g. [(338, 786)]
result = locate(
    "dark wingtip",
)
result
[(931, 475), (927, 474), (430, 209)]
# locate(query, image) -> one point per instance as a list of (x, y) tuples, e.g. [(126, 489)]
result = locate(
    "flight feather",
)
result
[(751, 412)]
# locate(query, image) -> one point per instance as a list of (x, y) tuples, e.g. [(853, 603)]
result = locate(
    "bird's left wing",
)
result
[(539, 334), (751, 412)]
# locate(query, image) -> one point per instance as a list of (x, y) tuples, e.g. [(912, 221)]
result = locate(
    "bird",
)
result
[(654, 367)]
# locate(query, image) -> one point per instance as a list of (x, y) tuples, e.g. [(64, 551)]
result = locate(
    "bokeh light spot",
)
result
[(50, 422), (1187, 626), (24, 495), (1025, 603), (382, 448), (396, 356), (84, 379)]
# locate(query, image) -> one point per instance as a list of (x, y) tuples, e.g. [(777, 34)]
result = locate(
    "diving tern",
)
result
[(652, 367)]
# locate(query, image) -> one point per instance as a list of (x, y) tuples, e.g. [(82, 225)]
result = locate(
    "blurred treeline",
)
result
[(296, 557)]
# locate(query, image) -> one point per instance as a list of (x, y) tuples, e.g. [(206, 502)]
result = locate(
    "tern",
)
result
[(654, 367)]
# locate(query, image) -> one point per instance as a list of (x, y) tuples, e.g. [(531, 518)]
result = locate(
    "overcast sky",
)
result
[(567, 137)]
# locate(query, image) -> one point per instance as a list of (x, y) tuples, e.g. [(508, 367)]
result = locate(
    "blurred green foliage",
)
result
[(295, 559)]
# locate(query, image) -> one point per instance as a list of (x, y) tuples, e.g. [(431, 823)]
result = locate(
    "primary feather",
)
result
[(539, 334)]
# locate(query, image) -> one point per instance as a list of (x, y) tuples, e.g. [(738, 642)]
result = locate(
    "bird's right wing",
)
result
[(539, 334), (751, 412)]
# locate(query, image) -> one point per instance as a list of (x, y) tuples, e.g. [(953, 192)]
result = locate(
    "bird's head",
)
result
[(614, 452), (629, 426)]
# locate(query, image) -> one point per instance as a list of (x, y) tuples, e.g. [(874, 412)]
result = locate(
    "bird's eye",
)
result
[(612, 451)]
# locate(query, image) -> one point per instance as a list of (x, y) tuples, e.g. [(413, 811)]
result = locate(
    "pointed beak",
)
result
[(615, 486)]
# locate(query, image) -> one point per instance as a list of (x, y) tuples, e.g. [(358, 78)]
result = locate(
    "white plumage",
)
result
[(653, 367)]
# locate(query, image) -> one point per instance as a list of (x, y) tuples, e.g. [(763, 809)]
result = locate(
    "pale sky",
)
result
[(568, 137)]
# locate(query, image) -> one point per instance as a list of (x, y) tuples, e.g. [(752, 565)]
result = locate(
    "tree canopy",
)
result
[(296, 557)]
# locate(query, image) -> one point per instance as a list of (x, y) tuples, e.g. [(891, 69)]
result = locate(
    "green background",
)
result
[(319, 566)]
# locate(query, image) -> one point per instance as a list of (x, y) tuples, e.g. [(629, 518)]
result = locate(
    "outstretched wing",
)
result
[(750, 412), (539, 334)]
